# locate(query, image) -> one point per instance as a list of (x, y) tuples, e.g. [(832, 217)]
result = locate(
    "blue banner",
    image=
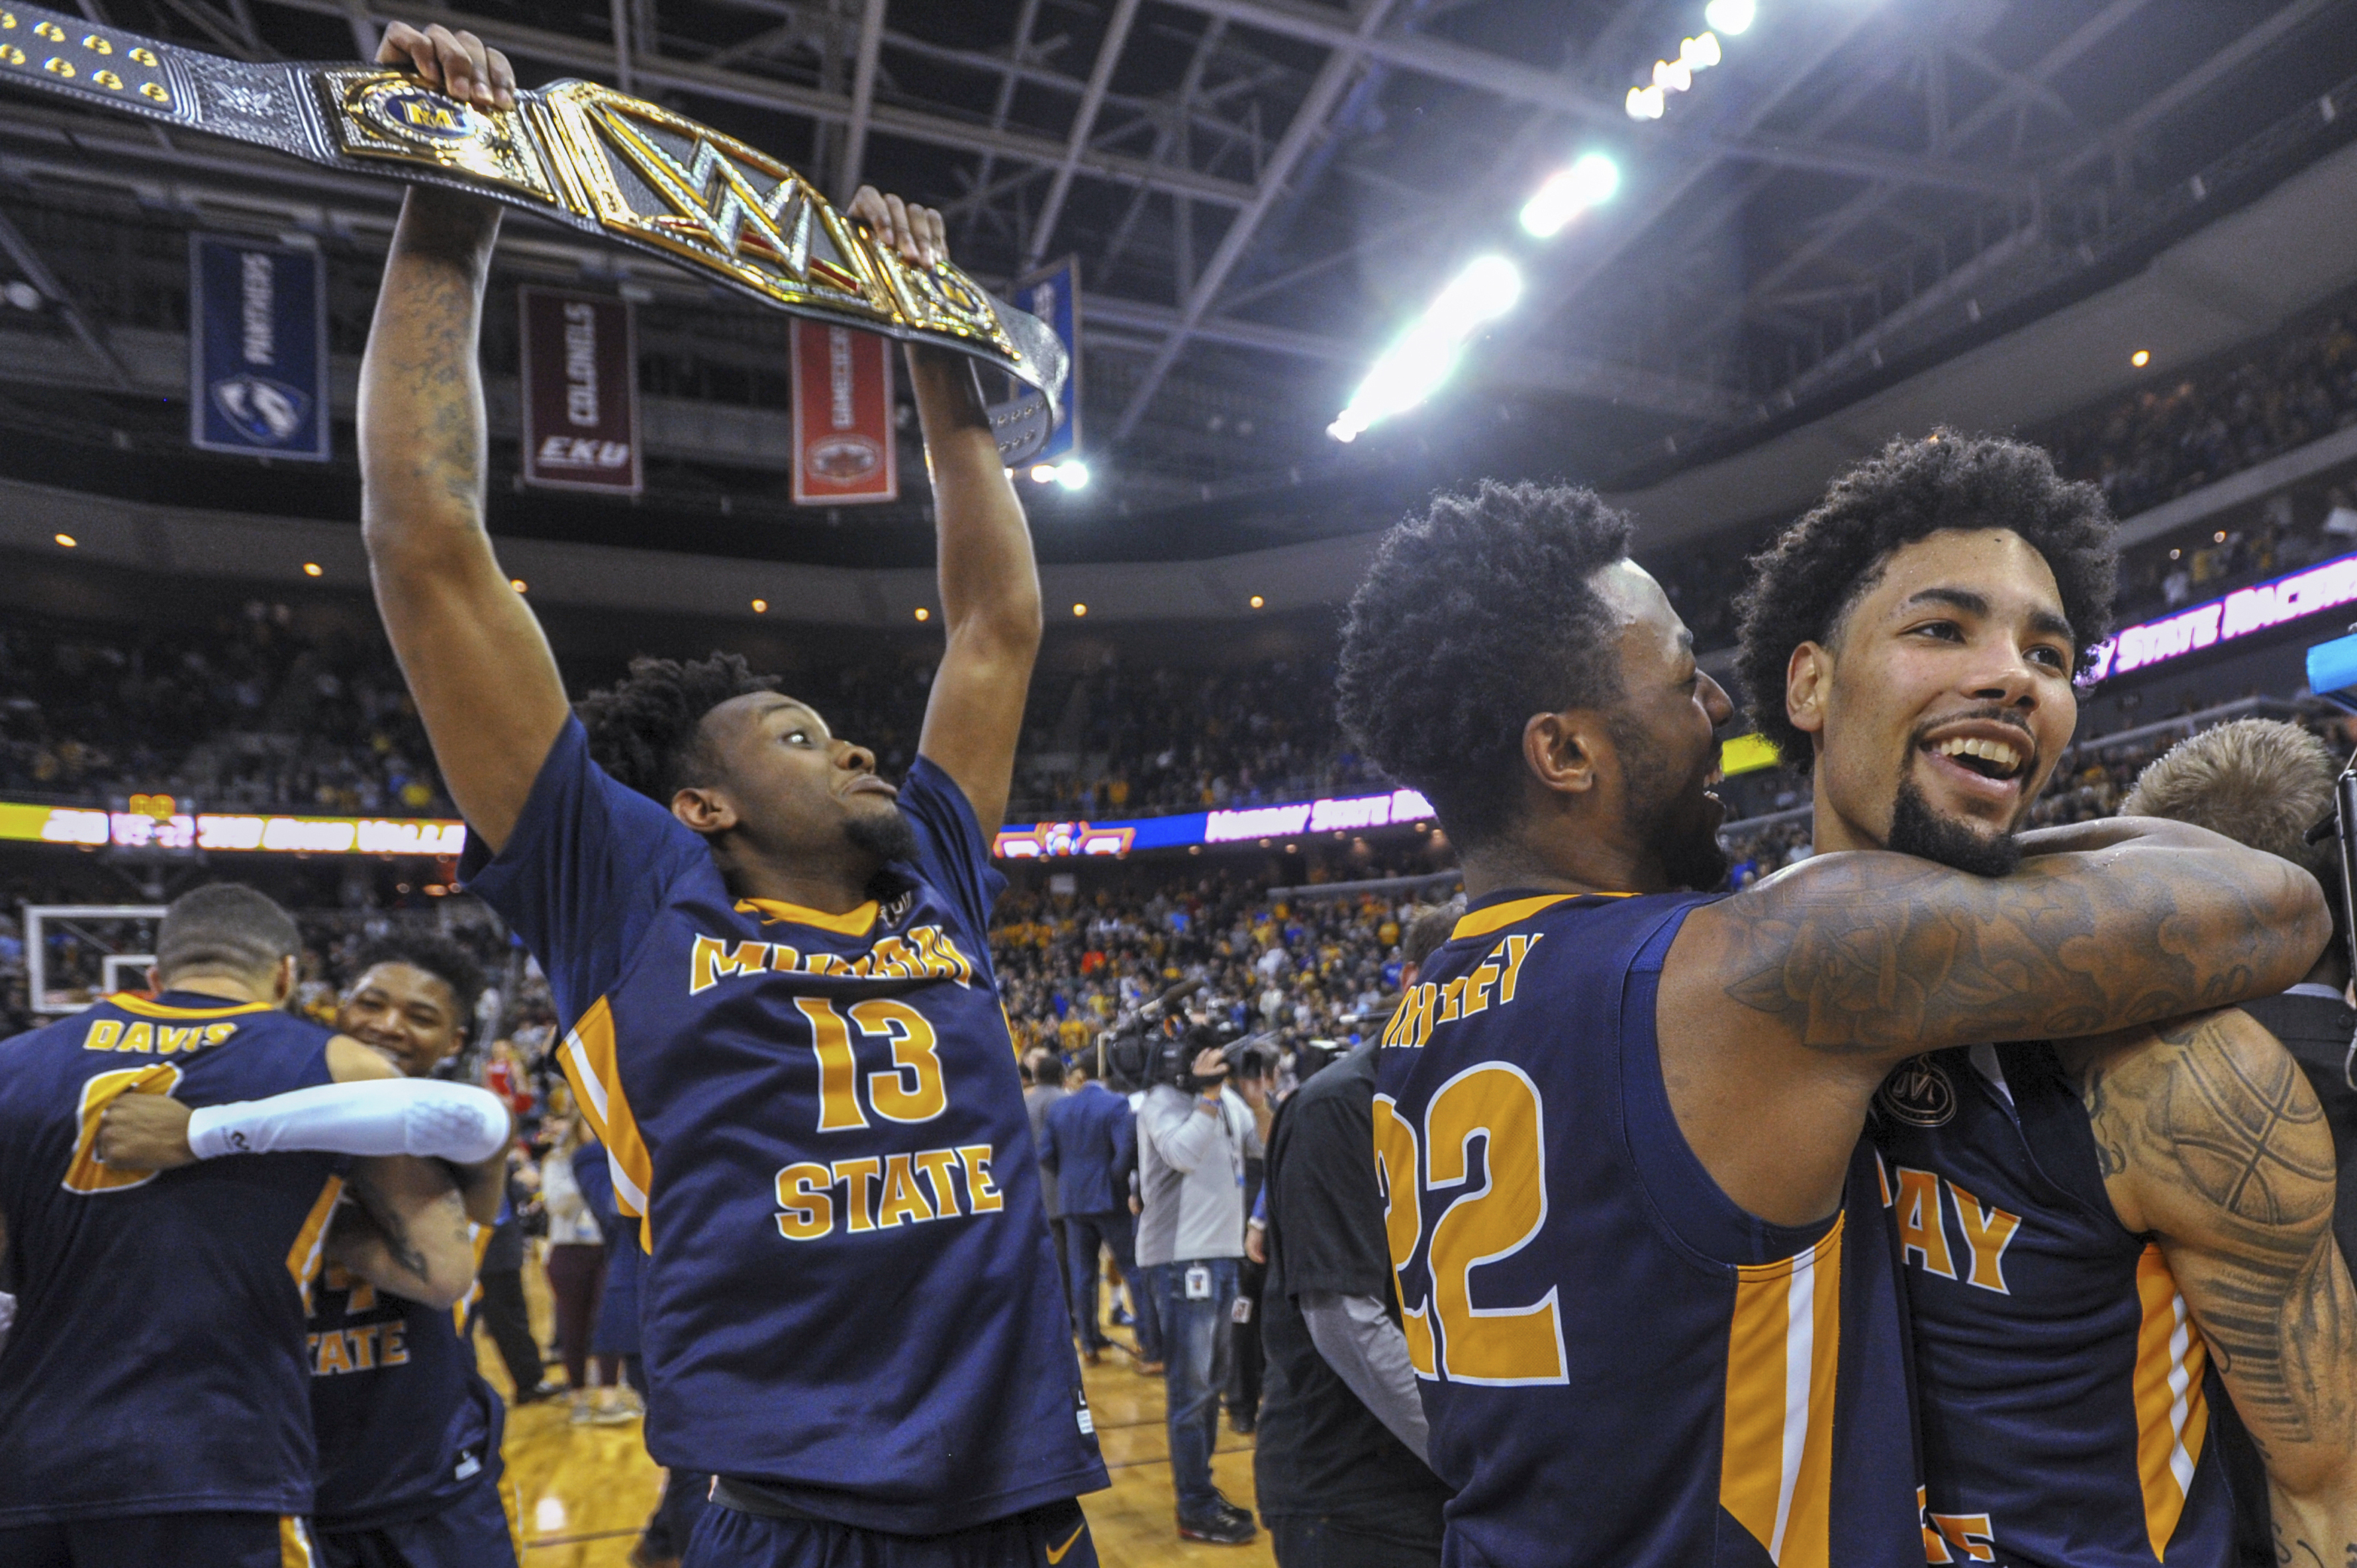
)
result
[(1054, 296), (257, 349)]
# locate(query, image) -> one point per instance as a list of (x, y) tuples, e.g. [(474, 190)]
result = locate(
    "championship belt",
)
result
[(574, 153)]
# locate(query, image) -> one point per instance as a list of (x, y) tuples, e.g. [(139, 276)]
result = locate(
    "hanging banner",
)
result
[(580, 393), (257, 349), (843, 451), (1054, 296)]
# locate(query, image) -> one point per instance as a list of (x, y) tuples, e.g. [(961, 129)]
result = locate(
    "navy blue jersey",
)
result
[(2065, 1388), (156, 1363), (852, 1295), (1619, 1365), (406, 1427)]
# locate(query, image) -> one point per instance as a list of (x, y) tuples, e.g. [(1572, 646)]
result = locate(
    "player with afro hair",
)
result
[(1806, 581), (647, 728), (1492, 607)]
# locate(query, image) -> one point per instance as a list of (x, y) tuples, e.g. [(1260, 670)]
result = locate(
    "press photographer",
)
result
[(1193, 1136)]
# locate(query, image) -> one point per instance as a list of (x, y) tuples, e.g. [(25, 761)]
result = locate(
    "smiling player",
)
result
[(2094, 1230), (772, 968), (1644, 1271)]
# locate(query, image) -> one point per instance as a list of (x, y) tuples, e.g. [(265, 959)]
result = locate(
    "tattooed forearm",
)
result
[(1878, 954)]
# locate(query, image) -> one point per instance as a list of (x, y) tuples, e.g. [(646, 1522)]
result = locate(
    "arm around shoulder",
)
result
[(1877, 957)]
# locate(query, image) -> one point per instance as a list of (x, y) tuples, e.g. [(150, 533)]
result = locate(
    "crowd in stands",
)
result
[(1302, 968), (246, 714), (253, 715), (2145, 448)]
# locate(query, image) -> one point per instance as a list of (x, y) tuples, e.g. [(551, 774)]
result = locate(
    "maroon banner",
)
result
[(580, 393), (844, 453)]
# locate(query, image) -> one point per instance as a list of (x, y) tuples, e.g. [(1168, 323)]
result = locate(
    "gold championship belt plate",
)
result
[(575, 153)]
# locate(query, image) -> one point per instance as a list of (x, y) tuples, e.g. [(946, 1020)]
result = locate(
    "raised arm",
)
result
[(1876, 957), (485, 683), (2212, 1141), (990, 585)]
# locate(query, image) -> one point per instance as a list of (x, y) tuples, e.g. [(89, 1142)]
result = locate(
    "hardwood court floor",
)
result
[(586, 1490)]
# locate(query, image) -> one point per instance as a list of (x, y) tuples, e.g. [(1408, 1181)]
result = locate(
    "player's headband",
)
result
[(574, 153)]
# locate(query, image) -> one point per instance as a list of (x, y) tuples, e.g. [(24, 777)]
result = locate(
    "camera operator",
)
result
[(1193, 1137), (1339, 1465)]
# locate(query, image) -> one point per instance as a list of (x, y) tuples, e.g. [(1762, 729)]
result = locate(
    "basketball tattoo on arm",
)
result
[(1876, 955), (2211, 1139)]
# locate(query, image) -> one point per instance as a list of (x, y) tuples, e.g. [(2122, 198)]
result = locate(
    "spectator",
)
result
[(500, 1306), (1045, 1070), (1245, 1367), (1339, 1465), (1192, 1138), (1088, 1147), (576, 1276)]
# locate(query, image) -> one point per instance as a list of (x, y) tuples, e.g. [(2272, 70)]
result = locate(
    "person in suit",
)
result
[(1088, 1142)]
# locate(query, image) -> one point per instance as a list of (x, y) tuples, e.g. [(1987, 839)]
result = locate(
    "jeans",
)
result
[(1195, 1341), (1085, 1233)]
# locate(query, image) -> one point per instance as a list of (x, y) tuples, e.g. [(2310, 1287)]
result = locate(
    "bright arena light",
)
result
[(2140, 359), (1042, 473), (1416, 366), (1700, 52), (1730, 17), (1672, 75), (1646, 103), (1585, 183), (1073, 474)]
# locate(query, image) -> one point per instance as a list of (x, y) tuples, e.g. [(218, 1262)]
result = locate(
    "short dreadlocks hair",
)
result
[(644, 730), (1805, 582), (1474, 617), (440, 957)]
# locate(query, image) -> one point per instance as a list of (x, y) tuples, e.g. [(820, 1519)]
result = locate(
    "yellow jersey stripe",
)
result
[(146, 1009), (294, 1544), (598, 1085), (2172, 1417), (850, 923), (302, 1258), (1783, 1365)]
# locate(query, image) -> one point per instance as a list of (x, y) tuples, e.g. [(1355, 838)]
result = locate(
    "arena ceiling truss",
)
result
[(1264, 192)]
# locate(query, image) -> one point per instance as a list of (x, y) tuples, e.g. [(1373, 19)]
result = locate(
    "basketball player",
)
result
[(1645, 1275), (154, 1390), (410, 1473), (2090, 1226), (408, 1434), (771, 968)]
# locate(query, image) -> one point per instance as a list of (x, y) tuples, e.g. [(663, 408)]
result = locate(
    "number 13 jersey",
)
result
[(852, 1296), (1619, 1366)]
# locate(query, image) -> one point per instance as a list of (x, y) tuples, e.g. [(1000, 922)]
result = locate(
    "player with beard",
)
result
[(1644, 1271), (2095, 1229), (409, 1471), (771, 968)]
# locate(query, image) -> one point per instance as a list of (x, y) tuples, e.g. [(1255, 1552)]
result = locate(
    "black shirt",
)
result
[(1321, 1451)]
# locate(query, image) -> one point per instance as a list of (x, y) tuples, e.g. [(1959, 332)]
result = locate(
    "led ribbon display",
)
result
[(574, 153)]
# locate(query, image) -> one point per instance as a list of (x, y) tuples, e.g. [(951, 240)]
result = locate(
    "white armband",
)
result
[(404, 1116)]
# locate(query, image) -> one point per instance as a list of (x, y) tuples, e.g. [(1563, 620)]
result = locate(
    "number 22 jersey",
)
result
[(852, 1296), (1619, 1366)]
